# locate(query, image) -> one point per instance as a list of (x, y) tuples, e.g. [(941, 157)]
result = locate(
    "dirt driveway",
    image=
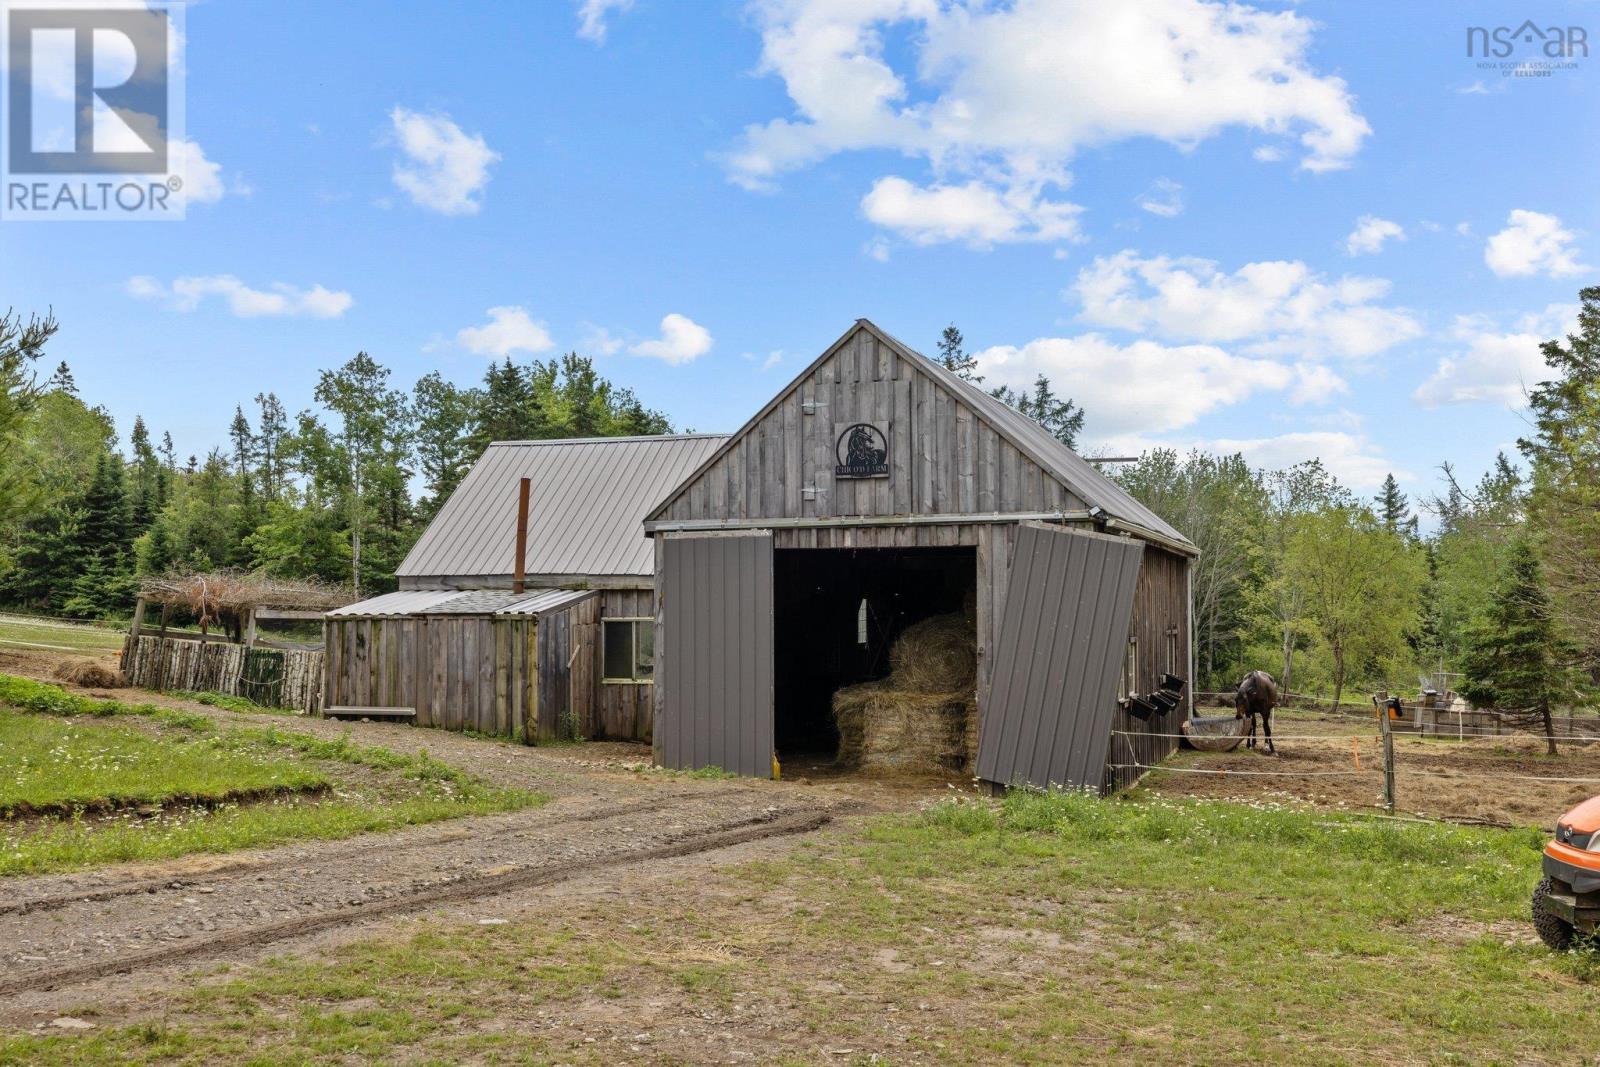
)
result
[(121, 932)]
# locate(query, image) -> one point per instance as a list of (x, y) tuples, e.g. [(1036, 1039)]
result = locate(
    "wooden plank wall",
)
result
[(942, 458), (621, 712), (460, 672), (218, 667), (1160, 610)]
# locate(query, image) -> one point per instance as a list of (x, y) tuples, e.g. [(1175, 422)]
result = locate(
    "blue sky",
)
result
[(1302, 230)]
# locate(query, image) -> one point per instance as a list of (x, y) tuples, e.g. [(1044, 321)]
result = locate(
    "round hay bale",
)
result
[(936, 655), (89, 674)]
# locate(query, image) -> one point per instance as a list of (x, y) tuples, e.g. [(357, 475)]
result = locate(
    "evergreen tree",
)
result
[(953, 354), (272, 440), (1564, 505), (145, 498), (1517, 662), (1394, 510), (169, 454), (62, 381), (103, 533), (1062, 417), (243, 441), (505, 408)]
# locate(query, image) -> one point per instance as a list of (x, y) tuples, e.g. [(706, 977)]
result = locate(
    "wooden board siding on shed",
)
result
[(1161, 628), (943, 459), (621, 712)]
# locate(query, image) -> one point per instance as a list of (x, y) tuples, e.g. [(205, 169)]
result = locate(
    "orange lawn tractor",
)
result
[(1566, 904)]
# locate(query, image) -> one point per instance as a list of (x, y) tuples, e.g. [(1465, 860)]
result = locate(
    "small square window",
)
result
[(629, 653)]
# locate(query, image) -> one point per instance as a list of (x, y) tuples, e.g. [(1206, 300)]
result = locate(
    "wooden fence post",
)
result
[(133, 632), (1388, 757)]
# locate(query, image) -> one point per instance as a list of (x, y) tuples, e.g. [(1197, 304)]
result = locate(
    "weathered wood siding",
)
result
[(1161, 628), (513, 676), (621, 712), (220, 667), (943, 459)]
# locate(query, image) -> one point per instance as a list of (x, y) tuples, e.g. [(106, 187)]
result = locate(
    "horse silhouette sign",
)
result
[(862, 451)]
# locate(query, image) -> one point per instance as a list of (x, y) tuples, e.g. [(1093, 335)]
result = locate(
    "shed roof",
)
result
[(588, 499), (455, 602), (391, 605)]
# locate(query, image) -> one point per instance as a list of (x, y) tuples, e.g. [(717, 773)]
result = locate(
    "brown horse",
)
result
[(1256, 696)]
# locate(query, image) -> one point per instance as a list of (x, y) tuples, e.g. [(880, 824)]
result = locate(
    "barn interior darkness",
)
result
[(826, 639)]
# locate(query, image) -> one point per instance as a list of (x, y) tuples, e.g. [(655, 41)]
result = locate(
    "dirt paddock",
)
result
[(1338, 763)]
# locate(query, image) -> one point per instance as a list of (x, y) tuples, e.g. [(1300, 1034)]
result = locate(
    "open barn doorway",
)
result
[(838, 614)]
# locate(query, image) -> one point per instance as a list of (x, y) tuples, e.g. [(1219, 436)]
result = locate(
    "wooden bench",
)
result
[(356, 712)]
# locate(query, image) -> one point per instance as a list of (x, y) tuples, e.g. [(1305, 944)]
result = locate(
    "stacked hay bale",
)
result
[(922, 719)]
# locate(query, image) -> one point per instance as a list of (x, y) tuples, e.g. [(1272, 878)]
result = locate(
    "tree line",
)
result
[(339, 492), (1297, 574), (1333, 593)]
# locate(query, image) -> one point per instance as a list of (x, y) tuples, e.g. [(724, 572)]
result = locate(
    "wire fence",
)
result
[(1382, 765)]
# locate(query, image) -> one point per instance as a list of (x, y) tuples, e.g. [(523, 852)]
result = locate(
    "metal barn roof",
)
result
[(586, 508)]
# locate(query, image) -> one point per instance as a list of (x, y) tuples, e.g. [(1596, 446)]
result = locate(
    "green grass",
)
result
[(1040, 930), (58, 765), (60, 748), (225, 701), (17, 631)]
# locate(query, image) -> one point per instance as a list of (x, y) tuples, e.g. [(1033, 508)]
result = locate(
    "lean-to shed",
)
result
[(574, 654), (510, 664), (879, 488)]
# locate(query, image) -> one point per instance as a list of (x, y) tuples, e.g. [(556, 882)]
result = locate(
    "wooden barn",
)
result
[(879, 489), (558, 647)]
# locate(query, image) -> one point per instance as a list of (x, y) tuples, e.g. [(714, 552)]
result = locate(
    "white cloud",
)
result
[(599, 339), (1267, 154), (1163, 198), (1495, 365), (444, 169), (877, 249), (1353, 458), (1279, 307), (1316, 383), (592, 15), (509, 329), (974, 213), (1370, 234), (682, 340), (1005, 96), (1533, 243), (1143, 387), (771, 360), (187, 293)]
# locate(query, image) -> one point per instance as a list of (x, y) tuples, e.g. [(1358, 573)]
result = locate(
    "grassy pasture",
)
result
[(50, 635), (1039, 930), (86, 782)]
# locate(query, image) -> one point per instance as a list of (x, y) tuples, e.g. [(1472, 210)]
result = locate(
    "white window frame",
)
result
[(1130, 668), (635, 620)]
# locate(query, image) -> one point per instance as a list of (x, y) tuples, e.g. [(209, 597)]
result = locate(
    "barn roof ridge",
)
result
[(1054, 458)]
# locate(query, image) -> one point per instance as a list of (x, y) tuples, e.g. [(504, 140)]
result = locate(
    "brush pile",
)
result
[(922, 719)]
